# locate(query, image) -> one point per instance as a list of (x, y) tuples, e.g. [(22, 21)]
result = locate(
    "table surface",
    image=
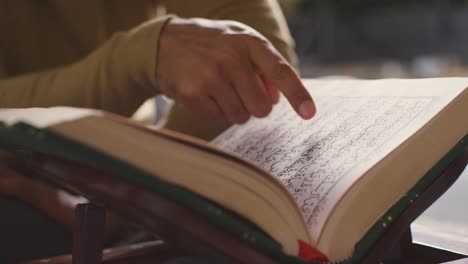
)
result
[(445, 223)]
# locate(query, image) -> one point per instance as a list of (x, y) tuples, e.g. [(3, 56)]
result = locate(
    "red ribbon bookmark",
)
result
[(307, 252)]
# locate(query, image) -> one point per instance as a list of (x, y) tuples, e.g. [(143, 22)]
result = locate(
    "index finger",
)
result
[(275, 68)]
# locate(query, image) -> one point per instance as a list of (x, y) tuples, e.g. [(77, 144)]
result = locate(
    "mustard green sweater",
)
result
[(103, 54)]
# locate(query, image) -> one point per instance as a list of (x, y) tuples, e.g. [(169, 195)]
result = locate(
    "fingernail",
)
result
[(307, 109)]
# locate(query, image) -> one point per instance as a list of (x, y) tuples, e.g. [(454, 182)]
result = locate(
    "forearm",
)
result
[(117, 77)]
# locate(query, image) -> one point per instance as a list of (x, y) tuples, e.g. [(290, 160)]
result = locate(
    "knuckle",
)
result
[(255, 38), (250, 38), (262, 109), (281, 70), (259, 38), (225, 58), (235, 26), (190, 92), (212, 72)]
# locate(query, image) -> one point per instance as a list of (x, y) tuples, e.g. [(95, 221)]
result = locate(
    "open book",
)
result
[(331, 183)]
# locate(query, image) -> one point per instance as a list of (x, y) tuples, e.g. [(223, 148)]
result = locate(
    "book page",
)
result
[(319, 159), (44, 117)]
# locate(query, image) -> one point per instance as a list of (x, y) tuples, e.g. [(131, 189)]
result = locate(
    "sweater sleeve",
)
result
[(263, 15), (116, 77)]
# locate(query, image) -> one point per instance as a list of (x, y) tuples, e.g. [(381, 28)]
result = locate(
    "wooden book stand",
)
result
[(189, 234)]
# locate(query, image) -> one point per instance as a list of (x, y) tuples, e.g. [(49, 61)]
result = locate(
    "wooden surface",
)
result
[(168, 219), (88, 233), (155, 252), (142, 253)]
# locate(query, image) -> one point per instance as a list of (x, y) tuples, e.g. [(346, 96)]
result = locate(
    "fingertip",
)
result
[(307, 109)]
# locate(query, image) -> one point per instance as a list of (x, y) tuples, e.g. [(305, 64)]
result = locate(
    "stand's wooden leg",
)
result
[(406, 245), (88, 234)]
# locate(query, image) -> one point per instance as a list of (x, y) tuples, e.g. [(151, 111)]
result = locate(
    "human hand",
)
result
[(224, 69)]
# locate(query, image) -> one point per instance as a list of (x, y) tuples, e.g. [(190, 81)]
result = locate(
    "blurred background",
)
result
[(386, 39), (378, 39)]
